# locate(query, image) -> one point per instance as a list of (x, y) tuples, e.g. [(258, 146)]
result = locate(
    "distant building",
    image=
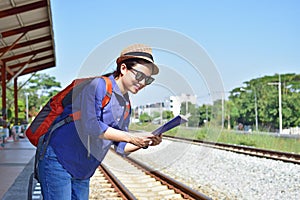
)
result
[(176, 101), (150, 108), (172, 104)]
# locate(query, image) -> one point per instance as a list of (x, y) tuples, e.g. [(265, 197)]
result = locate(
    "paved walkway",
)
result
[(16, 165)]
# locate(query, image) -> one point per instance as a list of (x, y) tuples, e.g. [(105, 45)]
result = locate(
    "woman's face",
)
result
[(130, 76)]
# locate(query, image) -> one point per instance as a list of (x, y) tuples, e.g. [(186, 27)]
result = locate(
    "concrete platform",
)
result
[(16, 165)]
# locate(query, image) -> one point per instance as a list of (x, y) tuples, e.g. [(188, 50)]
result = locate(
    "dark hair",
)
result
[(129, 64)]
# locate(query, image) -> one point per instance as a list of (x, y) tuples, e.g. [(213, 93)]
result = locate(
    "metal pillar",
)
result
[(16, 100), (3, 84)]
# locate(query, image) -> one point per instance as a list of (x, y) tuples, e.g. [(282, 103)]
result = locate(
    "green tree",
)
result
[(216, 113), (167, 114), (230, 115), (144, 117), (204, 114), (193, 111), (40, 88), (10, 104), (267, 101), (155, 114)]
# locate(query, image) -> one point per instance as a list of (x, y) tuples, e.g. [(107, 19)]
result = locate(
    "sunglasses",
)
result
[(139, 76)]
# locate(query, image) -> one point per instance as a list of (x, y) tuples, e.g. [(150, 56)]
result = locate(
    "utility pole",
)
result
[(27, 109), (279, 102), (223, 110), (161, 113), (186, 110), (280, 105), (256, 113), (206, 113)]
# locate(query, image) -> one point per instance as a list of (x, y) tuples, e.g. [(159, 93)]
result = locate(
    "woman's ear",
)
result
[(123, 69)]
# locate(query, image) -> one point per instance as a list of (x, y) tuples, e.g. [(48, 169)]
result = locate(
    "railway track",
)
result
[(119, 178), (263, 153), (126, 179)]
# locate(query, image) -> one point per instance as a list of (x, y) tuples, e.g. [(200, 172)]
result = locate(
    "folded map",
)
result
[(176, 121)]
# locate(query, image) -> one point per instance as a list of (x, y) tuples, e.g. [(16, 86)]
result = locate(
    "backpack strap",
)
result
[(127, 110), (76, 115), (72, 117), (108, 94)]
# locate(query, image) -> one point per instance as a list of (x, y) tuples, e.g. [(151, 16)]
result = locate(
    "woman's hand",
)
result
[(155, 140), (140, 141), (145, 139)]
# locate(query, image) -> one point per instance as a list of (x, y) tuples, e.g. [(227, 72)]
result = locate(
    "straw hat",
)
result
[(138, 51)]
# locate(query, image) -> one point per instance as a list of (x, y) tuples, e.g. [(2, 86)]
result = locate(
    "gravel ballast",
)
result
[(222, 174)]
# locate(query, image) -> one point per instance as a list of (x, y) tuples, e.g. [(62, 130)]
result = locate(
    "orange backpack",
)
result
[(45, 119)]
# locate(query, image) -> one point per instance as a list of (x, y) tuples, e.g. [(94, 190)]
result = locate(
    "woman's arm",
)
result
[(134, 141), (121, 136), (155, 140)]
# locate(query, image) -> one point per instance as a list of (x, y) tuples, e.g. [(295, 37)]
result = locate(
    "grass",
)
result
[(216, 135), (261, 141)]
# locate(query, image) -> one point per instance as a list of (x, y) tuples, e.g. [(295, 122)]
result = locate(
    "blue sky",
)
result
[(244, 39)]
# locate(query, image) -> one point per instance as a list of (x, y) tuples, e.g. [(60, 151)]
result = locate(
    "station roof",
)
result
[(26, 37)]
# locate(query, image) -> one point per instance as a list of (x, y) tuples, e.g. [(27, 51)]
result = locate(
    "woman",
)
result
[(76, 149)]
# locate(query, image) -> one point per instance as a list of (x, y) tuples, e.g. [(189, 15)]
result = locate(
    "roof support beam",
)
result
[(9, 71), (25, 29), (38, 68), (22, 69), (15, 57), (27, 81), (25, 8), (11, 46), (27, 43), (17, 48), (31, 61)]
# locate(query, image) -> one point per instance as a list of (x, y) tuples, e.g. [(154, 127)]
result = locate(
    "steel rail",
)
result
[(141, 182), (180, 188), (119, 187), (263, 153)]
